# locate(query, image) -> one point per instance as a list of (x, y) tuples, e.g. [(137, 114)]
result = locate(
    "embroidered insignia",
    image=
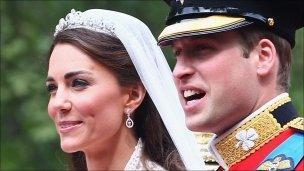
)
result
[(279, 162), (246, 138)]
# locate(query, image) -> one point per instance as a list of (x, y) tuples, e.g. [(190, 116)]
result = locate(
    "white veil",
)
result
[(152, 68)]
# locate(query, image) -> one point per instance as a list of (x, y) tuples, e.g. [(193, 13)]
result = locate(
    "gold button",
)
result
[(270, 22)]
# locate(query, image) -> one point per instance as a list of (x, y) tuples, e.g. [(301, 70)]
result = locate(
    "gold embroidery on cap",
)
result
[(270, 22)]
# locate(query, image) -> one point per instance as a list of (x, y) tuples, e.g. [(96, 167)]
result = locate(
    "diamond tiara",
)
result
[(78, 19)]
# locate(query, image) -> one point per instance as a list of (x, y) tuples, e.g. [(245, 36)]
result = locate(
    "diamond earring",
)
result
[(129, 121)]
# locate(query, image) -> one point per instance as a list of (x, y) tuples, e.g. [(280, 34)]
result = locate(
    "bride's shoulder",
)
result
[(153, 166), (138, 162)]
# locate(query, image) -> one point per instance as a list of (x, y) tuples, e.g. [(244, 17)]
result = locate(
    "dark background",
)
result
[(28, 137)]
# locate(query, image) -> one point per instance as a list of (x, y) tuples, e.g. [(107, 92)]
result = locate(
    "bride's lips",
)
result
[(68, 126)]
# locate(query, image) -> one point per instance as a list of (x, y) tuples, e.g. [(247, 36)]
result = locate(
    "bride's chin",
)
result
[(69, 148)]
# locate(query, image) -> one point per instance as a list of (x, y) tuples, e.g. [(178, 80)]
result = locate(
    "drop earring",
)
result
[(129, 121)]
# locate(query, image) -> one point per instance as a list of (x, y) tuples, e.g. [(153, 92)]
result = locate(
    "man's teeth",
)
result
[(188, 93)]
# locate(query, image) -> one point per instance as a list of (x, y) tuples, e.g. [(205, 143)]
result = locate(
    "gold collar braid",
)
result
[(266, 127)]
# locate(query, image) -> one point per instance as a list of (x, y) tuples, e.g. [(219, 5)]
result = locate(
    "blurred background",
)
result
[(28, 137)]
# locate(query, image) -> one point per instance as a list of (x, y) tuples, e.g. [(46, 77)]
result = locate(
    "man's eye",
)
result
[(202, 51), (79, 83), (176, 53), (206, 48), (51, 88)]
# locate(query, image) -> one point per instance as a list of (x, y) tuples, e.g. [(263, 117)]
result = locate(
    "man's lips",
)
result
[(192, 95), (193, 99), (67, 126)]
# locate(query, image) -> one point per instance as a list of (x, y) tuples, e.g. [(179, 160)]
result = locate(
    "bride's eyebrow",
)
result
[(48, 79), (69, 75), (73, 73)]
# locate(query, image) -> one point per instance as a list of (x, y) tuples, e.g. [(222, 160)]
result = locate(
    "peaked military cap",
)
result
[(199, 17)]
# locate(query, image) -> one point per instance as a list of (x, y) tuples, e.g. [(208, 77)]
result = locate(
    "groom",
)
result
[(232, 72)]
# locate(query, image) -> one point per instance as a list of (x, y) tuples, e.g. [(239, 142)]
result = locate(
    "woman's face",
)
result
[(86, 102)]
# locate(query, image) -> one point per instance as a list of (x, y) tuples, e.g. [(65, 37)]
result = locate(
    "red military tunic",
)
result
[(270, 138)]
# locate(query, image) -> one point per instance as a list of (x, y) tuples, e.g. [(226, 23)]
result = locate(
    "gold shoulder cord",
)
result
[(297, 123), (265, 125)]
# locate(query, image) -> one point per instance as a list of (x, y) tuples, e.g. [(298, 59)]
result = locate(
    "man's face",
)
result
[(217, 85)]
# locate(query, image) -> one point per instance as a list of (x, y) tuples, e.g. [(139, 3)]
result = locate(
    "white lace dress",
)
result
[(135, 162)]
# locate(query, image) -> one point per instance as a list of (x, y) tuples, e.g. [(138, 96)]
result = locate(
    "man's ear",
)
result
[(136, 94), (267, 56)]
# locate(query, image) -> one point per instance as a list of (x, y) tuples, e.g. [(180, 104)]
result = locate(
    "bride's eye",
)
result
[(79, 83), (51, 87)]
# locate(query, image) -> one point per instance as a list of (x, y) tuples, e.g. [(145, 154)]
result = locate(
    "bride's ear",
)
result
[(136, 94)]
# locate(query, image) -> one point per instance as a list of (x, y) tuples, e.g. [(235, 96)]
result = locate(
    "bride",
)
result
[(112, 97)]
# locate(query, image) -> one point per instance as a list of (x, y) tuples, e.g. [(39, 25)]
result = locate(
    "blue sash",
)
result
[(290, 151)]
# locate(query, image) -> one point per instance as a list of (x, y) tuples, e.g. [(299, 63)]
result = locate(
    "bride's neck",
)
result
[(112, 155)]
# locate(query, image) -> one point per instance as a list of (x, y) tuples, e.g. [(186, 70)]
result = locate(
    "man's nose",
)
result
[(182, 69)]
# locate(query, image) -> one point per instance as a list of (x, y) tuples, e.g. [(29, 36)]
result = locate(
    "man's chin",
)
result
[(194, 126), (199, 126)]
